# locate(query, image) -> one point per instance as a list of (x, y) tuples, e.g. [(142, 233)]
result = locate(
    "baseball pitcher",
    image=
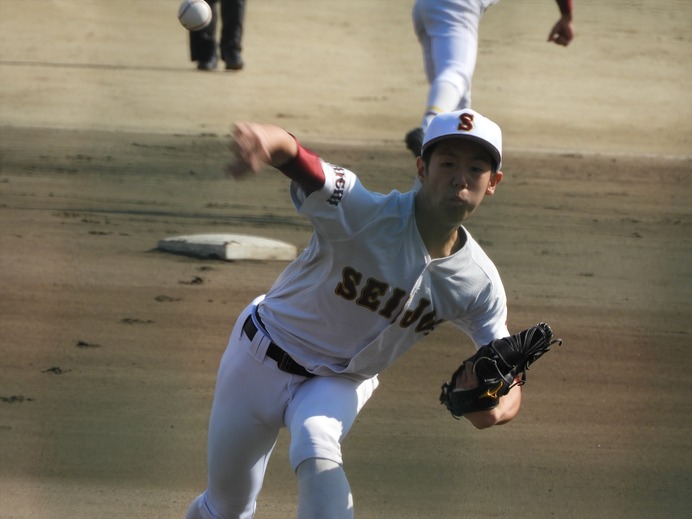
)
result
[(380, 273)]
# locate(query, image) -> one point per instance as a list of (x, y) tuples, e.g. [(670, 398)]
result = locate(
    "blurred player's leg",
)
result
[(453, 36), (447, 31)]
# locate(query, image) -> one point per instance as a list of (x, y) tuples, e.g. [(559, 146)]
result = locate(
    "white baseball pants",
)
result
[(253, 400)]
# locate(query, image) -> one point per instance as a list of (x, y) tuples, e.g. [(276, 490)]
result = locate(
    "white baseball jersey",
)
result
[(366, 263)]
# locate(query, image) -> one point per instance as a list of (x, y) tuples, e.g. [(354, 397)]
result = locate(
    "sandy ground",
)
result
[(110, 140)]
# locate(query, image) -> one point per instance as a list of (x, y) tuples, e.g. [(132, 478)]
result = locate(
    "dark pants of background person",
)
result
[(203, 46)]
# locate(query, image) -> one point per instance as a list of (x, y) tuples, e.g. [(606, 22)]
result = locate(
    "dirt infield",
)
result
[(110, 141)]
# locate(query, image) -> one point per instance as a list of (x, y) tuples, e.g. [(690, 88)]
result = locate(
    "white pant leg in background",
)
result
[(447, 31)]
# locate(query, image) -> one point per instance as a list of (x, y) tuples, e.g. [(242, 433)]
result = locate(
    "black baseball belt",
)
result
[(283, 360)]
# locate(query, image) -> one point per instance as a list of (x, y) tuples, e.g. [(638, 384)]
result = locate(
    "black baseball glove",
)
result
[(497, 366)]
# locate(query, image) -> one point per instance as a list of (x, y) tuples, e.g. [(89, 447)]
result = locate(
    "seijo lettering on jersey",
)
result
[(369, 295)]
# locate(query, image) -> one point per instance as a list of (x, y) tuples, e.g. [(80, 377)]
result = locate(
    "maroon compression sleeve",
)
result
[(305, 169)]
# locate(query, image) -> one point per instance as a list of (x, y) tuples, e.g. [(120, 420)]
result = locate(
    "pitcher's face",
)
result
[(458, 177)]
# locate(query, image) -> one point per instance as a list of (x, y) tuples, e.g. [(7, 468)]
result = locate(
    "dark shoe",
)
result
[(234, 61), (414, 141), (210, 64)]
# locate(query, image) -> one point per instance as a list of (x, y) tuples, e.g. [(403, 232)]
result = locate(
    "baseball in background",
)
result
[(194, 15)]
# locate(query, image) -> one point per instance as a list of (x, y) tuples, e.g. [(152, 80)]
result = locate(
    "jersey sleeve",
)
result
[(489, 322), (342, 207), (486, 319)]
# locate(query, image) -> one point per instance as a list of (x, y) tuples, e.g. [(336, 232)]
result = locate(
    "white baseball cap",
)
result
[(467, 124)]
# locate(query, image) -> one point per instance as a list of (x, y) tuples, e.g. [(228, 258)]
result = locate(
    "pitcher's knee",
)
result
[(316, 437)]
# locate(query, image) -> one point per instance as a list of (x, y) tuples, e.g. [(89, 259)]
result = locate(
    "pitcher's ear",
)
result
[(495, 179), (420, 169)]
